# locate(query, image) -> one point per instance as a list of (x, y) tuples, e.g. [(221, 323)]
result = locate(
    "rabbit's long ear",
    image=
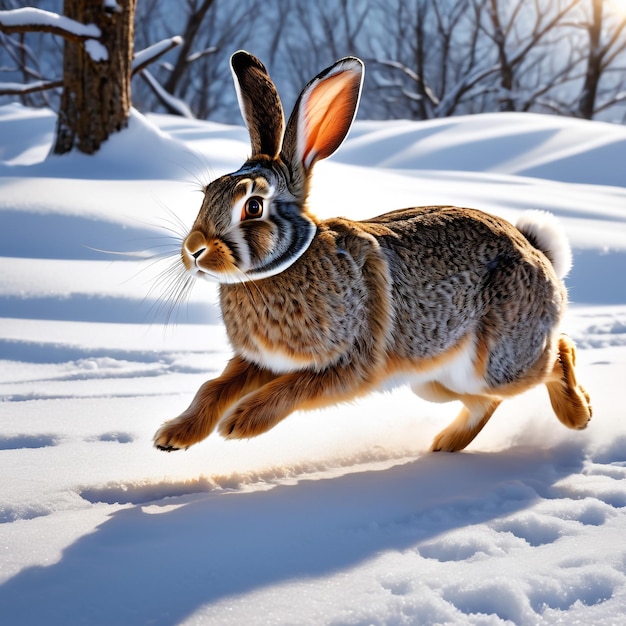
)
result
[(260, 104), (324, 113)]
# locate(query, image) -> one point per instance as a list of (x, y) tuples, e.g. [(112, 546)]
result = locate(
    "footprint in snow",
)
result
[(21, 442), (586, 586), (116, 437)]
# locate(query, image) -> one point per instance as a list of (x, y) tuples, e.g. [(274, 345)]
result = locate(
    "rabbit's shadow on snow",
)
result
[(161, 568)]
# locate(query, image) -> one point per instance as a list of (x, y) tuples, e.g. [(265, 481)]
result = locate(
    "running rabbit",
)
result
[(459, 304)]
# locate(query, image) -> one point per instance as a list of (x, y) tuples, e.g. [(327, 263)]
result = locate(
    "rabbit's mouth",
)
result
[(210, 259), (201, 274)]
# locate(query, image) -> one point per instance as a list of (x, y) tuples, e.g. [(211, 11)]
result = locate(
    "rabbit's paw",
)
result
[(570, 401), (447, 440), (244, 422), (578, 411), (469, 422), (174, 435)]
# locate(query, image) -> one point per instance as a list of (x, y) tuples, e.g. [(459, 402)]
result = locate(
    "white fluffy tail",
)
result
[(545, 233)]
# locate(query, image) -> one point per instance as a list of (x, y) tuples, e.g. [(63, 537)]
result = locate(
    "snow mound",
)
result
[(526, 144)]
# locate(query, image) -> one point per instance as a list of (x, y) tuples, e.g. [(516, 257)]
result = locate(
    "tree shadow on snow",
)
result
[(142, 567)]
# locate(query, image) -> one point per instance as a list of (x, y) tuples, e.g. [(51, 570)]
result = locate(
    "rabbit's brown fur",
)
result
[(457, 303)]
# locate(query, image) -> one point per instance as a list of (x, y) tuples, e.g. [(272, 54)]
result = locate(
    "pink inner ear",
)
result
[(329, 110)]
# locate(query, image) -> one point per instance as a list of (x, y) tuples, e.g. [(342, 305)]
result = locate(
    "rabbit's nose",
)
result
[(196, 244)]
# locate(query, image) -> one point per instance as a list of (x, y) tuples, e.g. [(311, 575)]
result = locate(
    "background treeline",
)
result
[(425, 58)]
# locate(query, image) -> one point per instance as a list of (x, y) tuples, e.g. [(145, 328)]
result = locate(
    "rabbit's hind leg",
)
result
[(569, 400), (470, 421)]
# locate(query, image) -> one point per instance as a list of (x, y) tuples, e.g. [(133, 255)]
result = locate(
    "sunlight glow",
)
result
[(618, 6)]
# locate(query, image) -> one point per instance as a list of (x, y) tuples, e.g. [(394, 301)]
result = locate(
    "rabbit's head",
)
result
[(254, 223)]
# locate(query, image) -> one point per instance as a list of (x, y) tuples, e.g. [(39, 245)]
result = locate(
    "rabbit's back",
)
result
[(461, 273)]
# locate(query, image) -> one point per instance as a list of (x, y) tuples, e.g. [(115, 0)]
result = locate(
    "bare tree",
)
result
[(97, 66), (606, 42), (312, 36), (96, 76), (413, 30), (467, 56), (198, 73), (440, 62), (425, 58), (197, 10), (518, 31)]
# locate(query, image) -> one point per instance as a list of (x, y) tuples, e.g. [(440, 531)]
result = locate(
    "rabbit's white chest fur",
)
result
[(275, 360)]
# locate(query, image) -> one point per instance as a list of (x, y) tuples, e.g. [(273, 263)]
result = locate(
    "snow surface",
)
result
[(339, 516)]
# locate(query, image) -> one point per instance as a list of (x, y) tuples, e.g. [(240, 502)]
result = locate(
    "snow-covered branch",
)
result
[(202, 53), (449, 102), (21, 89), (171, 103), (148, 55), (30, 19), (412, 75)]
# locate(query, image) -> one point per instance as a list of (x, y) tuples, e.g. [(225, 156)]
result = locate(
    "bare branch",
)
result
[(407, 71), (620, 97), (539, 33), (192, 27)]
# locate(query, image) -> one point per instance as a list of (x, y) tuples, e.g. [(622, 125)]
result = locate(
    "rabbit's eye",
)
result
[(253, 208)]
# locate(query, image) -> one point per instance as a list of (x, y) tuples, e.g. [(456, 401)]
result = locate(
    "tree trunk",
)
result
[(96, 76), (506, 70), (587, 100), (422, 109)]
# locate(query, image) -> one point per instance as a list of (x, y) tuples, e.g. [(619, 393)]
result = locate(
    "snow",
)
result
[(96, 51), (339, 516)]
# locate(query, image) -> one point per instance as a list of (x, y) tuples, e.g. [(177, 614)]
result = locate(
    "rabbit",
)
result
[(457, 303)]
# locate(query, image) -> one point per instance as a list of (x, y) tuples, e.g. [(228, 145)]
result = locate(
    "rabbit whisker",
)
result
[(175, 289)]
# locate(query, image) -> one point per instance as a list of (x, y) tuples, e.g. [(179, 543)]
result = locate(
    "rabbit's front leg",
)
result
[(263, 409), (210, 402)]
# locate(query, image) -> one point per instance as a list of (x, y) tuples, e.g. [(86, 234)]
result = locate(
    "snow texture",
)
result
[(339, 516)]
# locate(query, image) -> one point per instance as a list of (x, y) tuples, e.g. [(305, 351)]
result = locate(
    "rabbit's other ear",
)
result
[(260, 104), (324, 113)]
